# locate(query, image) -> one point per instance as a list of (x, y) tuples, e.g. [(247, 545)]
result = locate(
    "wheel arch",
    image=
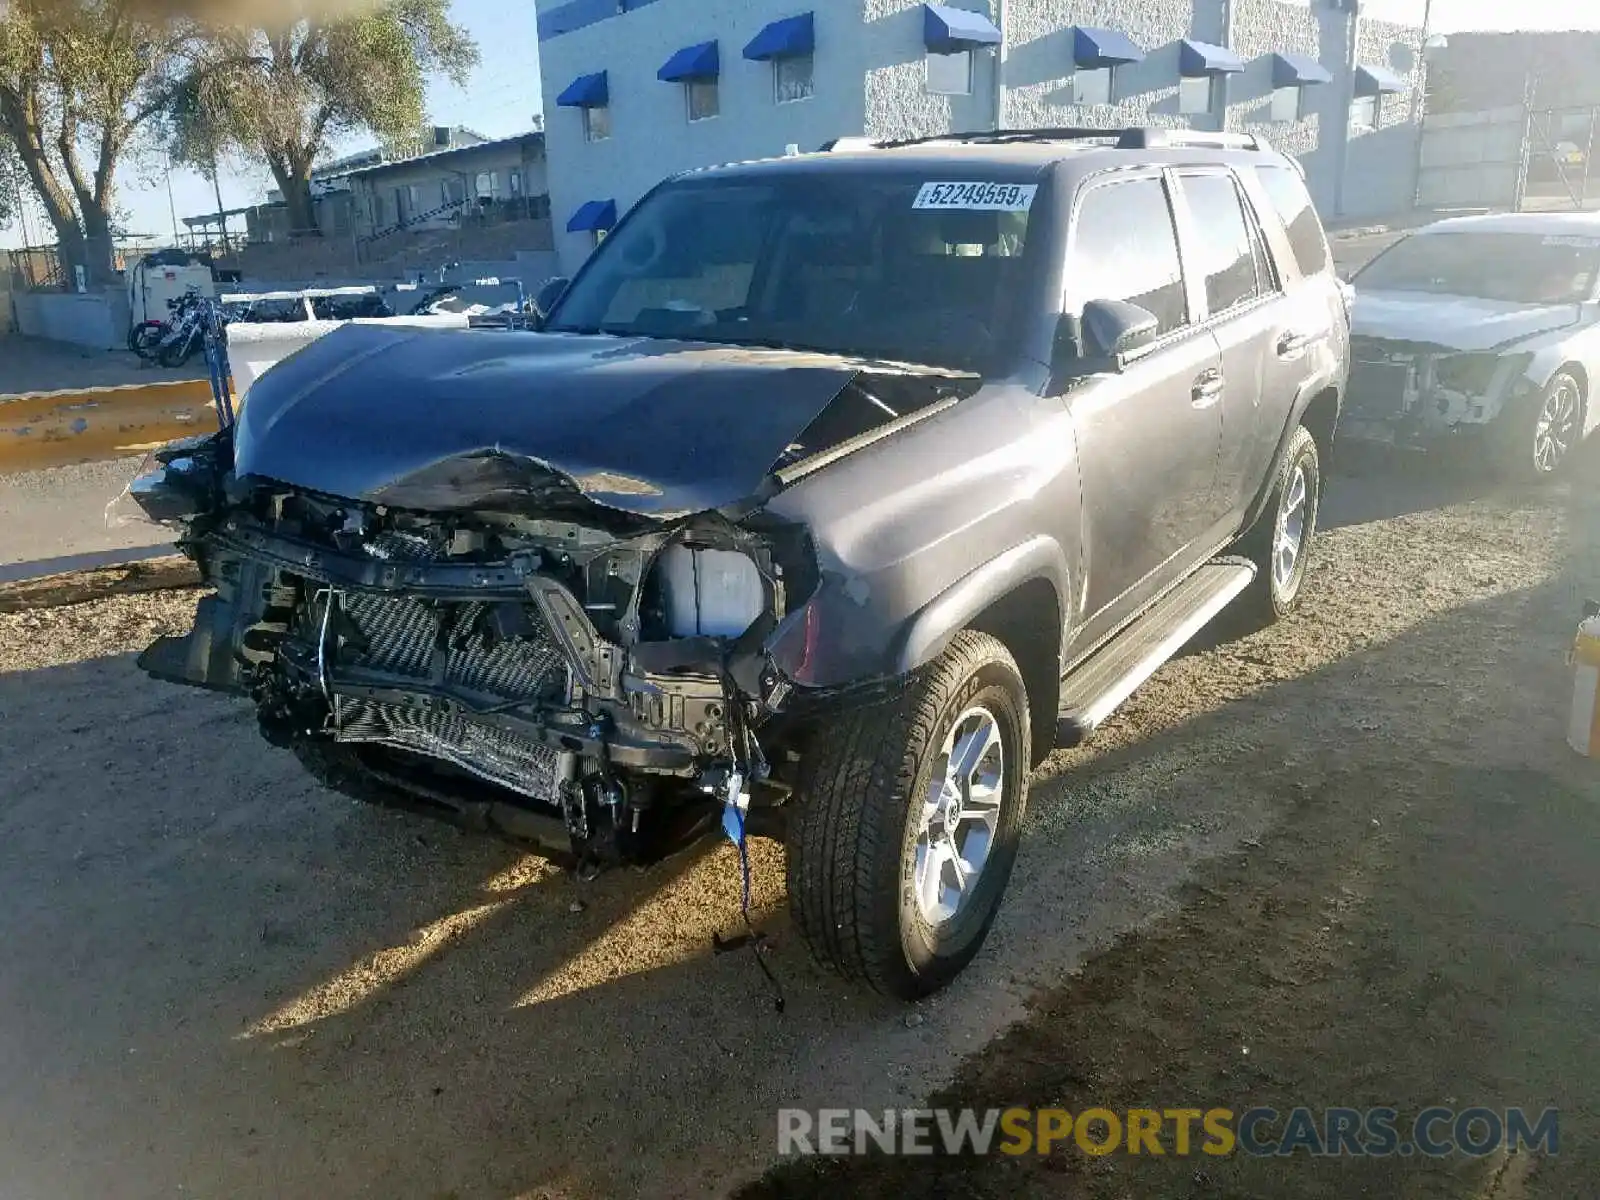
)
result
[(1018, 597), (1319, 412), (1581, 373)]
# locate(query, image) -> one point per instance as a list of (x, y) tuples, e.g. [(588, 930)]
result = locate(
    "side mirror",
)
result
[(1114, 329), (545, 298)]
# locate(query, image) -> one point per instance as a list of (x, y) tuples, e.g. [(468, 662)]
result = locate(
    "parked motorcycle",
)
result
[(186, 334)]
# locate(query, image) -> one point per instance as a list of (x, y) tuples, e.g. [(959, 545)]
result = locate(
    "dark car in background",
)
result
[(835, 491)]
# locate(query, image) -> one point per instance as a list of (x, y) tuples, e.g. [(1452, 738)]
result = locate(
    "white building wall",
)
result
[(870, 78), (651, 135)]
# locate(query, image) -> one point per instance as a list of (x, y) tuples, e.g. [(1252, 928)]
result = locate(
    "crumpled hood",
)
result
[(1454, 322), (650, 427)]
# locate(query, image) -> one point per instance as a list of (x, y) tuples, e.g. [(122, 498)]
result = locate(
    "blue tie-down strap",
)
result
[(735, 807)]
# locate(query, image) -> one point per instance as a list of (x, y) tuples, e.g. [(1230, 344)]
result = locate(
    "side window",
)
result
[(1125, 248), (1225, 254), (1293, 205)]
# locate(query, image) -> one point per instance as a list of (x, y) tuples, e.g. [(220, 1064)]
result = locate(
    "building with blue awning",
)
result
[(636, 90)]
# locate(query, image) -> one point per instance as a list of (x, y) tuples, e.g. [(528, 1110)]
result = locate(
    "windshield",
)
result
[(845, 263), (1518, 268)]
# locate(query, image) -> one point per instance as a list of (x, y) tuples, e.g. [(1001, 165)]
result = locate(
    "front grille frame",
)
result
[(449, 646), (435, 647)]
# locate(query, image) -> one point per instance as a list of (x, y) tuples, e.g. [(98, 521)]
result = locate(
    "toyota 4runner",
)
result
[(832, 493)]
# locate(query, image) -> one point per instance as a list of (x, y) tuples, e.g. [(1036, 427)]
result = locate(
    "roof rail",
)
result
[(1135, 138), (1150, 138), (1066, 133)]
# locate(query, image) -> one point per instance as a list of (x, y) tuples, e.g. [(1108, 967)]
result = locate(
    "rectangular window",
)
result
[(516, 183), (791, 78), (1124, 247), (1287, 103), (1364, 114), (1197, 95), (1225, 256), (950, 74), (1094, 85), (596, 124), (1293, 205), (701, 95), (487, 185)]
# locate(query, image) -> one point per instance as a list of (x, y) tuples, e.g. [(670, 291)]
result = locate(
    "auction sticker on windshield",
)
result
[(1579, 243), (985, 197)]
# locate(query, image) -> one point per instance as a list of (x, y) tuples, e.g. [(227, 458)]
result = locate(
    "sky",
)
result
[(504, 94)]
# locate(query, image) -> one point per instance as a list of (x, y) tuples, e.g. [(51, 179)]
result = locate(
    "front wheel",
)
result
[(1280, 543), (1537, 433), (907, 820), (178, 353)]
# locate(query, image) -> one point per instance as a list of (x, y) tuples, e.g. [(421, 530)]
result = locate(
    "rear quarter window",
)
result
[(1287, 193)]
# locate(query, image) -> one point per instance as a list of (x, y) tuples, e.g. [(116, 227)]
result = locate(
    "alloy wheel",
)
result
[(960, 816)]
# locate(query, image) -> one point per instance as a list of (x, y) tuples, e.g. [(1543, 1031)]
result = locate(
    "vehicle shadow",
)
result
[(220, 976)]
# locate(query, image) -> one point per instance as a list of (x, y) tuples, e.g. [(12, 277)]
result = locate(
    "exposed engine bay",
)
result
[(486, 640)]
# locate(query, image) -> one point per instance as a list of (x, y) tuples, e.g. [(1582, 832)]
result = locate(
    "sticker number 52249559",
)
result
[(989, 197)]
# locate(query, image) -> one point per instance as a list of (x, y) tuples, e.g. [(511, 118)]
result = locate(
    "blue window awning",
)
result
[(1298, 70), (1202, 58), (1094, 48), (947, 30), (586, 91), (1377, 81), (783, 39), (692, 62), (593, 216)]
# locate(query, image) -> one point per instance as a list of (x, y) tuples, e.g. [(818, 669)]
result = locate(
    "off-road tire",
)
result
[(1267, 600), (856, 819)]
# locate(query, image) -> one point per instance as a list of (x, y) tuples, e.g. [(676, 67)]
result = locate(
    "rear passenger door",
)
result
[(1148, 435), (1236, 285)]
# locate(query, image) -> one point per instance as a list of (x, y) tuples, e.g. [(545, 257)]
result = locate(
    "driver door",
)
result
[(1149, 436)]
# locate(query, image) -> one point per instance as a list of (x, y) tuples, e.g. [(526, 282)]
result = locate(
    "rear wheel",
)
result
[(906, 826), (145, 339), (1279, 544)]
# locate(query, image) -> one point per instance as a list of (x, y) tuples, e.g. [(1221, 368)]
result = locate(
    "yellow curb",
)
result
[(54, 429)]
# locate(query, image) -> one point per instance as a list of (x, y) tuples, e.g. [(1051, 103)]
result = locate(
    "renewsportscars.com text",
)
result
[(1181, 1132)]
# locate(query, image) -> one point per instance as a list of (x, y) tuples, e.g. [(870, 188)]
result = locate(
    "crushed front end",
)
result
[(531, 582), (1417, 395), (582, 678)]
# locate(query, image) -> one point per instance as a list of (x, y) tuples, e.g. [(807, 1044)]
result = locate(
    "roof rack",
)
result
[(1133, 138)]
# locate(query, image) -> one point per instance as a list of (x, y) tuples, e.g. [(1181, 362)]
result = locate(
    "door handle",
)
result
[(1207, 388), (1292, 345)]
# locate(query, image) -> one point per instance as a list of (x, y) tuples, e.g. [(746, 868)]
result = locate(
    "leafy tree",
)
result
[(281, 95), (80, 83)]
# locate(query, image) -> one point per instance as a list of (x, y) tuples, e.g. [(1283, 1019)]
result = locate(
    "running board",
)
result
[(1095, 690)]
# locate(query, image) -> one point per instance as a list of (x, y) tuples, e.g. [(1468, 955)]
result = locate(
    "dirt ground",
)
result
[(1355, 845)]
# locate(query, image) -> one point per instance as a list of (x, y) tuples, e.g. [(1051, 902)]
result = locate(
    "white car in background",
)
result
[(1485, 328)]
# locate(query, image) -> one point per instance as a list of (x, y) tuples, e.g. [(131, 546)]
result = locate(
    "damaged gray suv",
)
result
[(831, 495)]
